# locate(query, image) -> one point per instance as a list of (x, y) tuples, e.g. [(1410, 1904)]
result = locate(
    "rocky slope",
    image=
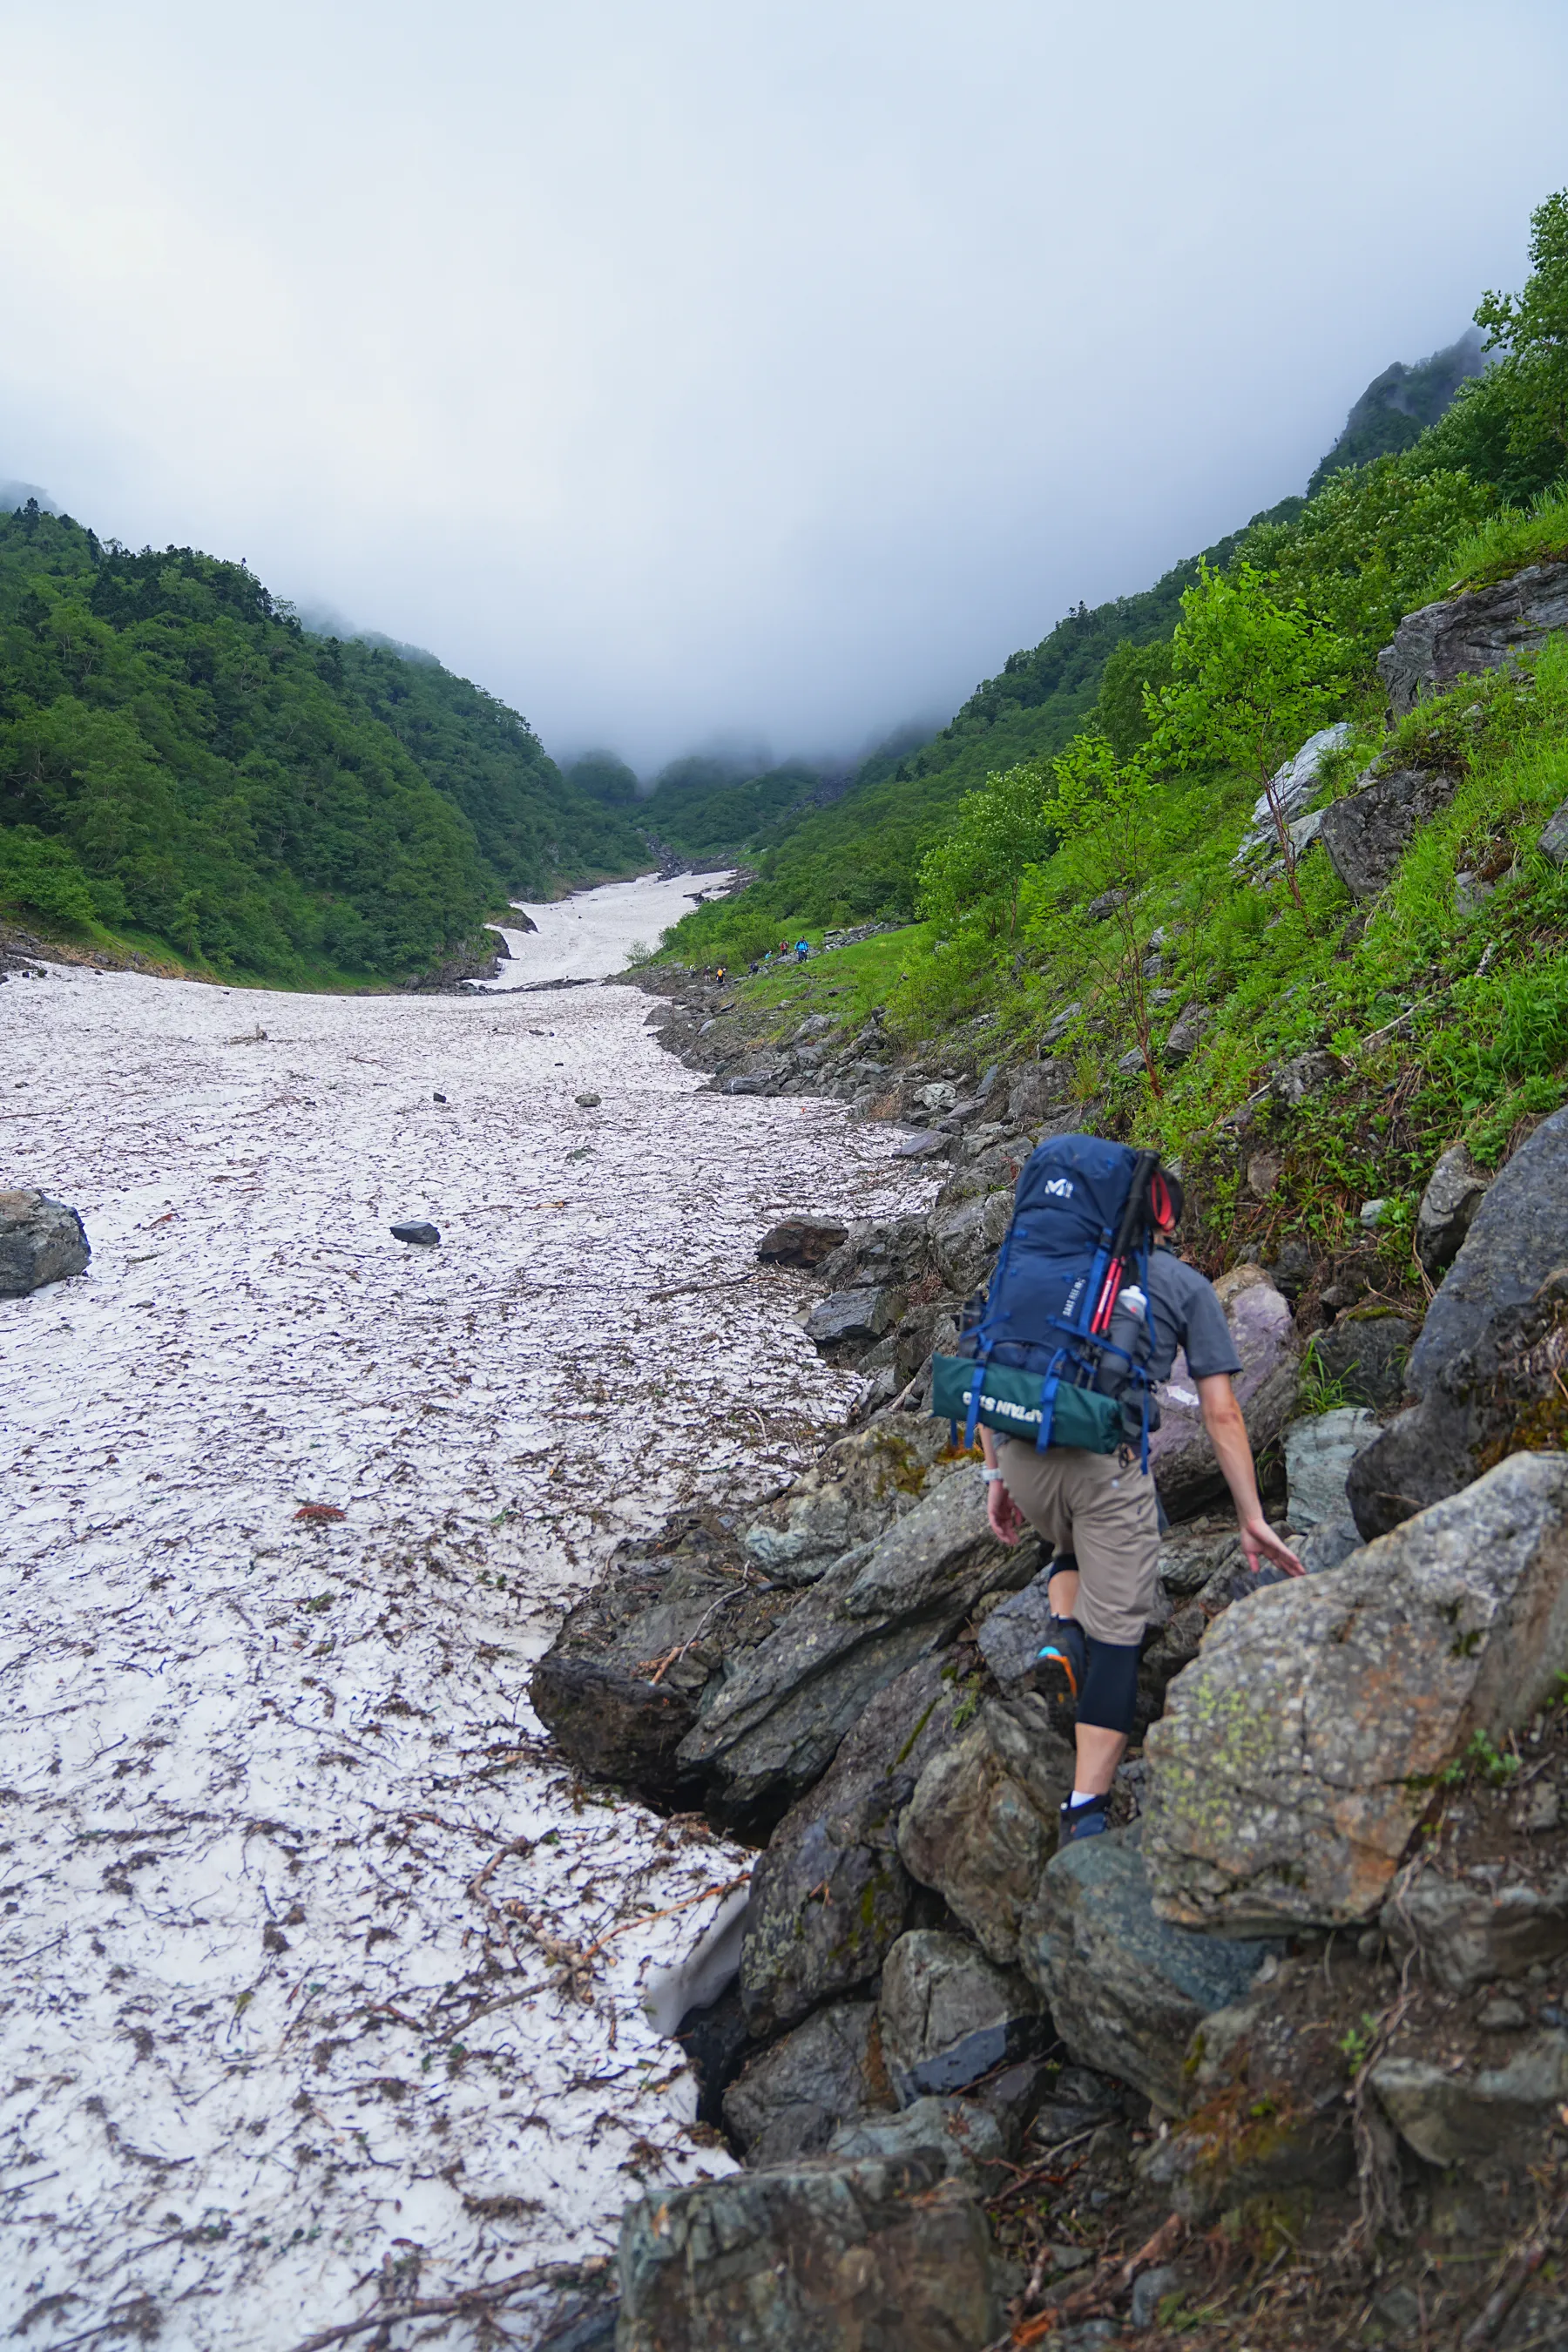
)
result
[(1280, 2060)]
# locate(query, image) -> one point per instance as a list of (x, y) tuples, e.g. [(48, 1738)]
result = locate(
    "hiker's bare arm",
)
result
[(1228, 1435), (1007, 1519)]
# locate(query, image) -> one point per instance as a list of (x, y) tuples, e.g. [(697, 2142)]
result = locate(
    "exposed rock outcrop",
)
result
[(1485, 1370), (1455, 1191), (1464, 635), (1295, 1755), (947, 2016), (1367, 834), (792, 2097), (773, 1724)]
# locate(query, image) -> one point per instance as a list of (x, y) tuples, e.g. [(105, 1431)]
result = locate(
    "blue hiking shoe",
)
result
[(1062, 1660), (1083, 1821)]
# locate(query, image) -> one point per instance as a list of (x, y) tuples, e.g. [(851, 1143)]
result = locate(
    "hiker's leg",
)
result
[(1116, 1537), (1061, 1583), (1105, 1713)]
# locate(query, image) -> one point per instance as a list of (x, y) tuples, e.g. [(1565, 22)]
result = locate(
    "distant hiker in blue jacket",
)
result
[(1098, 1512)]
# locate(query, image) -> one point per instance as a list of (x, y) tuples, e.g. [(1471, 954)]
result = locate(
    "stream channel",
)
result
[(289, 1511)]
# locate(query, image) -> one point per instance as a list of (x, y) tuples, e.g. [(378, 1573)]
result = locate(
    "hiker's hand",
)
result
[(1260, 1542), (1007, 1519)]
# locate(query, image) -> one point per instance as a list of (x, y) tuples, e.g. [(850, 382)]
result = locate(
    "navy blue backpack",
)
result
[(1058, 1350)]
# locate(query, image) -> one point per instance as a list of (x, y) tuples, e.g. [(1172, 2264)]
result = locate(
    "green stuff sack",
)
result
[(1012, 1403)]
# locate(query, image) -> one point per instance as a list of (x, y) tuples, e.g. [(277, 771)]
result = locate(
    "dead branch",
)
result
[(475, 2301)]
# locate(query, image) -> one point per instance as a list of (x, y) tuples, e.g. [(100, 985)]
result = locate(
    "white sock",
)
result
[(1084, 1797)]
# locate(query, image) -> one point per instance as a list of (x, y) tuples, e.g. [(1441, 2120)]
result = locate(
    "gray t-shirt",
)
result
[(1186, 1314)]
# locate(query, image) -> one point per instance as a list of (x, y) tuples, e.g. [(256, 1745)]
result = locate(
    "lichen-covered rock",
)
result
[(829, 1895), (1487, 1369), (982, 1823), (881, 2255), (792, 2097), (1368, 834), (1125, 1988), (1185, 1469), (1461, 637), (947, 2016), (852, 1493), (773, 1724), (1293, 1760), (41, 1240), (1455, 1191), (1459, 2118)]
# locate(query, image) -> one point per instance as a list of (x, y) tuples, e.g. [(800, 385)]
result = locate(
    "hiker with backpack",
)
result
[(1055, 1371)]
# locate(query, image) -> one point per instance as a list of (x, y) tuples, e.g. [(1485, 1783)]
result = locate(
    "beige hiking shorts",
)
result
[(1102, 1510)]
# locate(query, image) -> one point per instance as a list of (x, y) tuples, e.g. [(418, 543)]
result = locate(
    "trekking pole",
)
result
[(1132, 1216)]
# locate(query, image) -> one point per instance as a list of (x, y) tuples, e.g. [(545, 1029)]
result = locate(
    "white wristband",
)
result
[(991, 1476)]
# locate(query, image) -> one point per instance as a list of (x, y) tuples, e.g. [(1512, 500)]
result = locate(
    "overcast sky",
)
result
[(679, 368)]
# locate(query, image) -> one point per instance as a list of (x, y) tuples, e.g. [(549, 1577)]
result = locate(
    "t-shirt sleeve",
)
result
[(1209, 1345)]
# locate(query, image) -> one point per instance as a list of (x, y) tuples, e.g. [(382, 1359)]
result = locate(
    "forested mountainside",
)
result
[(1393, 490), (182, 766)]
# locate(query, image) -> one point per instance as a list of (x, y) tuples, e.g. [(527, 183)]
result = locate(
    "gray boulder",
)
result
[(1293, 1761), (773, 1724), (1366, 1354), (882, 2255), (947, 2016), (1039, 1092), (1305, 1077), (965, 2137), (1125, 1988), (830, 1894), (1483, 1371), (40, 1240), (1185, 1469), (1186, 1034), (1318, 1456), (1554, 841), (1468, 1931), (1011, 1634), (1459, 2118), (1368, 834), (1455, 1191), (1463, 635), (854, 1314), (966, 1237), (982, 1823), (791, 2099), (851, 1494)]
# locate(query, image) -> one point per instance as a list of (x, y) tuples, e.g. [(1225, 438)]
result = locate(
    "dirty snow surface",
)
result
[(313, 1997), (594, 933)]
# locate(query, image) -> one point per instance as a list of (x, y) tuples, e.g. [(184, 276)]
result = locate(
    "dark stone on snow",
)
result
[(41, 1240), (1485, 1368), (801, 1240), (1463, 635), (793, 2096), (881, 2255), (1367, 835), (427, 1235)]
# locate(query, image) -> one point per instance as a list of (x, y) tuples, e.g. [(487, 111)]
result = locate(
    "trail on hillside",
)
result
[(295, 2009)]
